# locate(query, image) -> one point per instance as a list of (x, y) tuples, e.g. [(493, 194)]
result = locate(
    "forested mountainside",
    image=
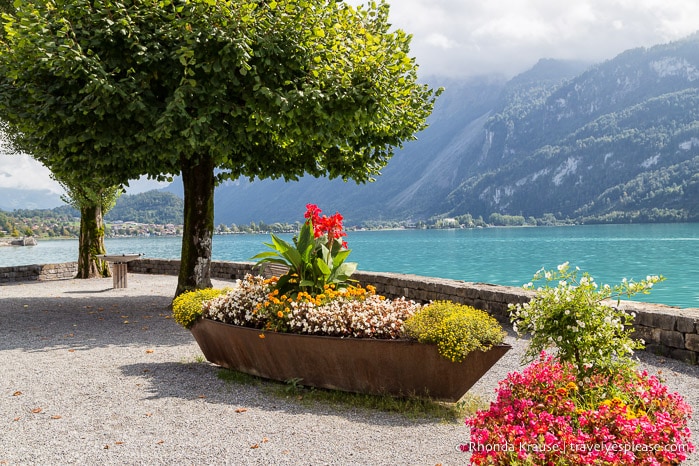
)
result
[(617, 141), (149, 207), (621, 140)]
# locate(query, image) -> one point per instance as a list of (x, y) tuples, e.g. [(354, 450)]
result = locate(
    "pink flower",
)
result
[(542, 414)]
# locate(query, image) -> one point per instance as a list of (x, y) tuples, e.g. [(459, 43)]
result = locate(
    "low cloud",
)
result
[(23, 172), (472, 37)]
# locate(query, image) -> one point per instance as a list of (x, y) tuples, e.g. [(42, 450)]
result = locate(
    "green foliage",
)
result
[(456, 329), (60, 221), (187, 307), (80, 194), (129, 89), (315, 261), (575, 318), (149, 207)]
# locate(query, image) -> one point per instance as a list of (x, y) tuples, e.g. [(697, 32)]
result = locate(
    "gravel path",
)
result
[(94, 375)]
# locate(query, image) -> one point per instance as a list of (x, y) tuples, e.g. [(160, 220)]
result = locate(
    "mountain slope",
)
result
[(572, 153)]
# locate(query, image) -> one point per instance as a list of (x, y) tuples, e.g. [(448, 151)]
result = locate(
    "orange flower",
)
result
[(261, 335)]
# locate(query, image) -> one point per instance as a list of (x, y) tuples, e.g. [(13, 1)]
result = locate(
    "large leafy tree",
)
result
[(211, 90), (93, 199)]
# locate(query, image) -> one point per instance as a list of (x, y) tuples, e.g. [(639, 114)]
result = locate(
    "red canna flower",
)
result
[(330, 226)]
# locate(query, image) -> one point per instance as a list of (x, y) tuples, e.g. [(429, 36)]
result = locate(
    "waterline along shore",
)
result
[(503, 256)]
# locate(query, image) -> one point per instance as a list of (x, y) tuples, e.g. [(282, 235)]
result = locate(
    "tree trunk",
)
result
[(91, 244), (195, 263)]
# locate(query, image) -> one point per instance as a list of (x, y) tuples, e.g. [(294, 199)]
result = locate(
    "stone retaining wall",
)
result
[(667, 330), (38, 272)]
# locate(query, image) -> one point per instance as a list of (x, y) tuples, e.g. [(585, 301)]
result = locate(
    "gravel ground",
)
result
[(95, 375)]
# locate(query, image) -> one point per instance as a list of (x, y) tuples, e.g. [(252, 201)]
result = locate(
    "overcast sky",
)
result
[(460, 38), (473, 37)]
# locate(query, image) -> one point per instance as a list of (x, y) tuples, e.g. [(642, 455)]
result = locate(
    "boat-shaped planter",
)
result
[(361, 365)]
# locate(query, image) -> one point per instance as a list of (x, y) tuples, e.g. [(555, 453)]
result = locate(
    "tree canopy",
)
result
[(248, 87), (266, 88)]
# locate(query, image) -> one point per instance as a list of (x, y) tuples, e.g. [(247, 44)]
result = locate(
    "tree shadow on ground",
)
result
[(88, 321)]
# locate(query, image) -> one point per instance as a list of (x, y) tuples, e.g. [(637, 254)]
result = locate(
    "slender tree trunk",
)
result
[(195, 264), (91, 244)]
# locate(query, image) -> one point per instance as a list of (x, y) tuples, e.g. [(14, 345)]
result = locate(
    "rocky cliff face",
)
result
[(614, 138)]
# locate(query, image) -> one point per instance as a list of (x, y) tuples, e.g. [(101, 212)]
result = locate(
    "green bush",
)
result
[(456, 329), (187, 307)]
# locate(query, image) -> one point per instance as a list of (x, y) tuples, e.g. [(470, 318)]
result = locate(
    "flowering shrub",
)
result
[(574, 318), (238, 306), (587, 404), (317, 257), (539, 417), (350, 312), (455, 328), (187, 307)]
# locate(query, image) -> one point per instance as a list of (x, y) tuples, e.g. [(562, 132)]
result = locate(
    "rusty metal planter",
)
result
[(394, 367)]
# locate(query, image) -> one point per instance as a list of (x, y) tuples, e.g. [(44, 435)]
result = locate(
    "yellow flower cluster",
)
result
[(187, 307), (456, 329)]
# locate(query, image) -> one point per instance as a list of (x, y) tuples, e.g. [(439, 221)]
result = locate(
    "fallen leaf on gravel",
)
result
[(265, 440), (126, 321), (106, 447), (100, 309), (71, 351), (26, 305), (146, 370), (149, 351), (168, 317), (145, 327), (202, 396), (36, 410), (149, 414), (256, 445), (17, 393), (241, 410), (118, 443), (16, 419), (160, 442), (55, 416), (124, 317)]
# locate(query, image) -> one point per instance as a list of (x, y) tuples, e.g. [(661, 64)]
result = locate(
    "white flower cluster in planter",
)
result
[(371, 317), (355, 312)]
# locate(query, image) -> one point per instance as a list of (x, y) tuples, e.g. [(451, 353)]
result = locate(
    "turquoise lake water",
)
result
[(505, 256)]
